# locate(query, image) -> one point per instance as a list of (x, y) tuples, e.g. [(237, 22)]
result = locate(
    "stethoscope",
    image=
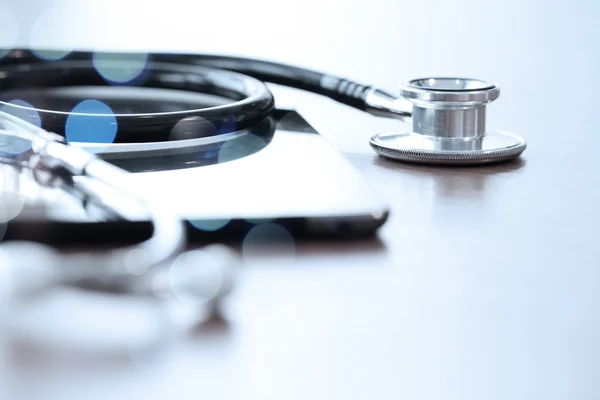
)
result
[(448, 114), (448, 127)]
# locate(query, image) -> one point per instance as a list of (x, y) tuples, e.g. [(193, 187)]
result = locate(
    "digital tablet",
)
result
[(288, 175)]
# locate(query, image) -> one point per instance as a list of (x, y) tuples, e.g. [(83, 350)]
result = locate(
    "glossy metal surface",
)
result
[(382, 104), (415, 147), (449, 125)]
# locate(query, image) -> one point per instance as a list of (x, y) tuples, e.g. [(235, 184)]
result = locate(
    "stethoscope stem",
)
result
[(383, 104)]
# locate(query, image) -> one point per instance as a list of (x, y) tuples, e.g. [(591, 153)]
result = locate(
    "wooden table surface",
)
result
[(483, 284)]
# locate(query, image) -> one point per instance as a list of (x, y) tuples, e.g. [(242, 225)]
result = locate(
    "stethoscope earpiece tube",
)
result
[(100, 269)]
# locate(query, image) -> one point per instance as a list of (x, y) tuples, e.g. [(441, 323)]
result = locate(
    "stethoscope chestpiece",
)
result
[(448, 117)]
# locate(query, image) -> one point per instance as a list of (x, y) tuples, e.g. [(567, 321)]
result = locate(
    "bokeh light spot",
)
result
[(136, 262), (91, 122), (51, 55), (209, 225), (120, 68), (240, 147), (11, 205), (196, 277), (10, 144), (23, 110), (228, 125), (268, 239), (9, 28), (48, 31), (192, 128)]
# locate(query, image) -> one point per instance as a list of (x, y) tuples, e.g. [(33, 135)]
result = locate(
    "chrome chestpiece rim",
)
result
[(448, 118)]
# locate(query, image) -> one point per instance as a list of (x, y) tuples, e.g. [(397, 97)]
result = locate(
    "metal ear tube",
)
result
[(448, 125)]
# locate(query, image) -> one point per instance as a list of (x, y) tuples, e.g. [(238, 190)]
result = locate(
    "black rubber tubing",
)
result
[(340, 89)]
